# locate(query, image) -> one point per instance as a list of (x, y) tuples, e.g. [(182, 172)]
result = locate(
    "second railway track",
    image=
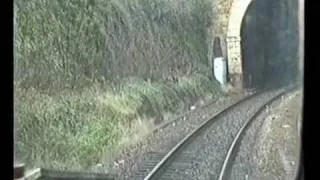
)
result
[(201, 154)]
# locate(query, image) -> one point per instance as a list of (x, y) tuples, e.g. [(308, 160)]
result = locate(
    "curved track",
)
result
[(201, 154), (233, 149)]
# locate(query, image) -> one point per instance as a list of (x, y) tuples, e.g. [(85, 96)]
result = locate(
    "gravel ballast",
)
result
[(270, 147), (204, 155), (130, 160)]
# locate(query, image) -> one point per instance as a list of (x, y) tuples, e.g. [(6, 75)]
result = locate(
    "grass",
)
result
[(91, 77), (78, 130), (76, 42)]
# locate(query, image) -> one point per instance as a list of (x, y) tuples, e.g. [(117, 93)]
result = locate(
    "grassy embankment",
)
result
[(92, 76)]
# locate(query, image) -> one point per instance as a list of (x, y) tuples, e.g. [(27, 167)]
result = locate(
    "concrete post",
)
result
[(220, 70)]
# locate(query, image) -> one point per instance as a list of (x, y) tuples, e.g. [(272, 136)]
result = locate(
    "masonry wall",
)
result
[(268, 41), (221, 9)]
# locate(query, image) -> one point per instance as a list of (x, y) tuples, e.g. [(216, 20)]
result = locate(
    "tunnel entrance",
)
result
[(269, 43)]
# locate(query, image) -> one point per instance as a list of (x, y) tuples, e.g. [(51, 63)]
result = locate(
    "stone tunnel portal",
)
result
[(268, 36), (269, 45)]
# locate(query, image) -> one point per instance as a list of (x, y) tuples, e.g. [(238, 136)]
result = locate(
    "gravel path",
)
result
[(269, 148), (207, 152), (133, 158)]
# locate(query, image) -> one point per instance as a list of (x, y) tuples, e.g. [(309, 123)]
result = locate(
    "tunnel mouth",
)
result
[(269, 43)]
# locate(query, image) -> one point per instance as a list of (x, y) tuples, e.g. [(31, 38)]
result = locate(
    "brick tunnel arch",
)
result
[(270, 52), (237, 13)]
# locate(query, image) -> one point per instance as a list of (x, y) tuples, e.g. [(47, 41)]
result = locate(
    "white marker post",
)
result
[(219, 63), (220, 70)]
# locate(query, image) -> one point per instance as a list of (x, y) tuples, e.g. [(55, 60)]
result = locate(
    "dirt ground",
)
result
[(277, 148)]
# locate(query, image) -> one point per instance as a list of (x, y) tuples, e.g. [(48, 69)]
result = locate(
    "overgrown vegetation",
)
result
[(89, 73)]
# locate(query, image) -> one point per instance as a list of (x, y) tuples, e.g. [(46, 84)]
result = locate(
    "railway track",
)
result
[(188, 113), (237, 162), (201, 154)]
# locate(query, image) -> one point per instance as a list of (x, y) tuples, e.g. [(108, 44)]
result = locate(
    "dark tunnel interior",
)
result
[(269, 34)]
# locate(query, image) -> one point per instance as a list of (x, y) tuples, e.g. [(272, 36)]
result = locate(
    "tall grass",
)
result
[(77, 129), (90, 73), (71, 43)]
